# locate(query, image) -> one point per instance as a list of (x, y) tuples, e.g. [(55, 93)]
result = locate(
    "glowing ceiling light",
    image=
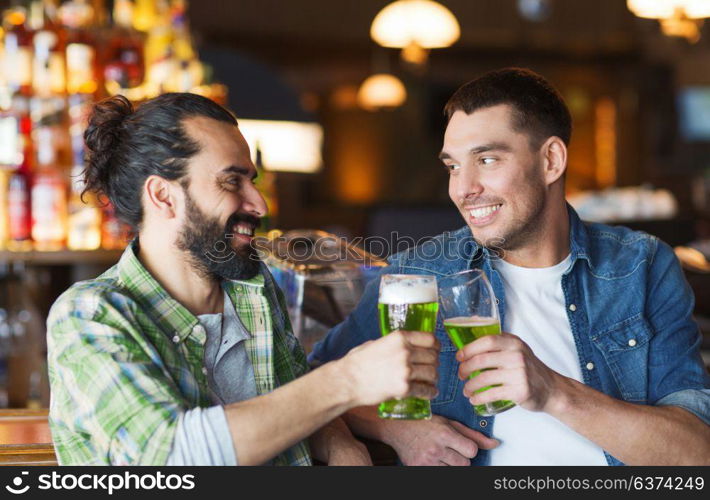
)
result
[(415, 26), (664, 9), (381, 91), (680, 18)]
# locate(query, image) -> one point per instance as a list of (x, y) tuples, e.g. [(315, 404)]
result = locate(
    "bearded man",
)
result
[(182, 353)]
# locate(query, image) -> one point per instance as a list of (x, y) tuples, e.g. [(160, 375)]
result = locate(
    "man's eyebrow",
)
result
[(492, 146), (483, 148), (234, 169)]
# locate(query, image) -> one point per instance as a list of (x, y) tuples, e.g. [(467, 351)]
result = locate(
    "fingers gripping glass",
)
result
[(407, 302), (469, 311)]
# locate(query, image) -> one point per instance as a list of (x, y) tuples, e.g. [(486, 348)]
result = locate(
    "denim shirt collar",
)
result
[(579, 239), (472, 252)]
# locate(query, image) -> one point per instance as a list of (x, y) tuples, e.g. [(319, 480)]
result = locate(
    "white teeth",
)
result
[(478, 213), (244, 230)]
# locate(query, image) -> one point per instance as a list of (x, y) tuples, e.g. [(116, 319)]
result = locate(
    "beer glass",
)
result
[(469, 312), (407, 302)]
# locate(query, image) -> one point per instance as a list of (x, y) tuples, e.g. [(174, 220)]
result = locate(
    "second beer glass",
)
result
[(469, 311), (407, 302)]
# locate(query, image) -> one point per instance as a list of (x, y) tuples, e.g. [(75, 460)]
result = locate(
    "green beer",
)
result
[(407, 303), (463, 331)]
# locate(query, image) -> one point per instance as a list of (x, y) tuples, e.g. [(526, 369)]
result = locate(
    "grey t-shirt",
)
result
[(202, 436)]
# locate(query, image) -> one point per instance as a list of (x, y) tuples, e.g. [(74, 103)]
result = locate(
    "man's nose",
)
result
[(254, 202), (468, 183)]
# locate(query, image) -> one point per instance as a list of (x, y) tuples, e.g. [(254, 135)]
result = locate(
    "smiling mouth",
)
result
[(243, 229), (482, 213)]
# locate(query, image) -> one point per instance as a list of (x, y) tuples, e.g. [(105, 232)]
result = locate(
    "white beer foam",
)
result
[(471, 321), (408, 292)]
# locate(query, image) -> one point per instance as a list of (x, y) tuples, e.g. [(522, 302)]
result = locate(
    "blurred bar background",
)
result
[(338, 150)]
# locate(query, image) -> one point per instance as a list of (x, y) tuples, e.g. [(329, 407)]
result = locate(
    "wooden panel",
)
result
[(62, 257), (25, 438)]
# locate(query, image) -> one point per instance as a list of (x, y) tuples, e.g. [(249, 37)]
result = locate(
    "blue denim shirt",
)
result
[(631, 321)]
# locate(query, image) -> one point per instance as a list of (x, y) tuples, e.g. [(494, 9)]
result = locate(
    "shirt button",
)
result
[(204, 370), (497, 302), (572, 307), (176, 339), (198, 329), (590, 366), (483, 423), (632, 342)]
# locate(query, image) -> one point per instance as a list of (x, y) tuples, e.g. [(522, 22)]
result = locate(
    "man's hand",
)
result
[(439, 441), (334, 444), (399, 365), (522, 377), (351, 453)]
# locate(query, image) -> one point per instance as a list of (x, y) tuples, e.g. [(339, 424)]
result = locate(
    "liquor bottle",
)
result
[(18, 49), (49, 198), (84, 231), (19, 206), (76, 16), (48, 72), (144, 14), (160, 62), (124, 68), (4, 178)]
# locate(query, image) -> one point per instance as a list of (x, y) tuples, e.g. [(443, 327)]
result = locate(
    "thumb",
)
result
[(480, 439)]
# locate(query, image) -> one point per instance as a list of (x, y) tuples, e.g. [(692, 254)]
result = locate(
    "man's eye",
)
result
[(487, 160), (451, 168)]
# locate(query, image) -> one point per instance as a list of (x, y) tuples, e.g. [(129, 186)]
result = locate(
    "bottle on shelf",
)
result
[(49, 199), (124, 69), (48, 71), (18, 48), (4, 178), (76, 16), (84, 232), (19, 203)]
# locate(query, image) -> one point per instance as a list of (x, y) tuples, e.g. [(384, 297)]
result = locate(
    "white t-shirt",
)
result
[(535, 312)]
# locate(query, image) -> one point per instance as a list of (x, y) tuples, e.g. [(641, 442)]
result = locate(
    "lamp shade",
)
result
[(664, 9), (425, 23), (381, 91)]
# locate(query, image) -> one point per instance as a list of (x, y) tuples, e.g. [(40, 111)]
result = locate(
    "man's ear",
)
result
[(554, 156), (160, 197)]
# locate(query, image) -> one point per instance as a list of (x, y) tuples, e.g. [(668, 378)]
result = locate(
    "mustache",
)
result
[(480, 200), (236, 218)]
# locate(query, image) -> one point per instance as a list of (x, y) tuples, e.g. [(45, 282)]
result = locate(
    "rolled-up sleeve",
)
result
[(696, 401), (677, 375), (203, 438)]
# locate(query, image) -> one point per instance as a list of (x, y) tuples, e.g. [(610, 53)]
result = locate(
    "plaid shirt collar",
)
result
[(170, 315)]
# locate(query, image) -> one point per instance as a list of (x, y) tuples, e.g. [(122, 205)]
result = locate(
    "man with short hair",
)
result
[(602, 355), (182, 353)]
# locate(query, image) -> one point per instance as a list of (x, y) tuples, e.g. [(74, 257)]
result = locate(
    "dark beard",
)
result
[(524, 230), (210, 248)]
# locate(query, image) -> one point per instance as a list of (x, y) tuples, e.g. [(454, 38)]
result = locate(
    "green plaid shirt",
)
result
[(126, 359)]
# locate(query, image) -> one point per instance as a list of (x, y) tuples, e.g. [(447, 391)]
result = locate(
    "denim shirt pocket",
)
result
[(448, 368), (625, 347)]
